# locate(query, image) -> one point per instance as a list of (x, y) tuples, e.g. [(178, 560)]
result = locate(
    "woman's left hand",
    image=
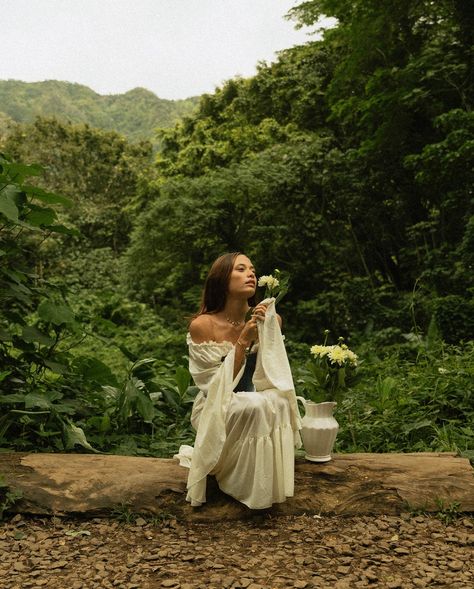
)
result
[(259, 312)]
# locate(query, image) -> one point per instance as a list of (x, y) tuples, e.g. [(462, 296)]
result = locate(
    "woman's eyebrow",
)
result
[(244, 266)]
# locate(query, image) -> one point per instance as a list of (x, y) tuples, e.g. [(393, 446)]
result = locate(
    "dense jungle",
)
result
[(347, 164)]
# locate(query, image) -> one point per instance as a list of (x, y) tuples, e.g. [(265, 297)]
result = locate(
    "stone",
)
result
[(394, 584)]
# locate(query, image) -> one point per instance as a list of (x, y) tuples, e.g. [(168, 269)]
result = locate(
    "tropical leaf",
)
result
[(33, 334), (8, 206), (74, 435), (55, 313)]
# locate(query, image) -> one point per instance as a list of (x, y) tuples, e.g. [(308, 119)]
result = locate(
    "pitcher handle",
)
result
[(302, 400)]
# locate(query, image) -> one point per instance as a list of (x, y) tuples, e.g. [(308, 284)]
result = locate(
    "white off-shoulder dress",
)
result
[(245, 438)]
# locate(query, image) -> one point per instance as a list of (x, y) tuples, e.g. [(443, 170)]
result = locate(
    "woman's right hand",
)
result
[(249, 332)]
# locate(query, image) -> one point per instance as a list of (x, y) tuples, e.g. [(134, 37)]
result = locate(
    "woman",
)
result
[(245, 414)]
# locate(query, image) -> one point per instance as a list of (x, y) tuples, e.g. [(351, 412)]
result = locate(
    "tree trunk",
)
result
[(351, 484)]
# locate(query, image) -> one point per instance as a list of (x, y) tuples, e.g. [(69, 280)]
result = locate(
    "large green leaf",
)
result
[(74, 435), (18, 277), (125, 351), (93, 370), (37, 400), (33, 334), (56, 367), (19, 172), (64, 230), (12, 398), (19, 289), (4, 374), (41, 217), (57, 314), (183, 378), (142, 362), (145, 408), (48, 197), (8, 205)]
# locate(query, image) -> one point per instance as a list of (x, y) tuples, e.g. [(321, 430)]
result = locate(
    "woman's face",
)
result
[(242, 281)]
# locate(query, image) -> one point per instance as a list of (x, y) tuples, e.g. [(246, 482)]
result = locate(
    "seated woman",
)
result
[(245, 415)]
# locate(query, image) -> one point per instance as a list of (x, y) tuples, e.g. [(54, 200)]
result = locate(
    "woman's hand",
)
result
[(249, 333)]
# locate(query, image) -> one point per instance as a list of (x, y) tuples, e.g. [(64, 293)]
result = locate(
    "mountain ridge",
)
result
[(135, 113)]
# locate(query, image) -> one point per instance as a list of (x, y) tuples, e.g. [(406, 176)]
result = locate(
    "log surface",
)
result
[(350, 484)]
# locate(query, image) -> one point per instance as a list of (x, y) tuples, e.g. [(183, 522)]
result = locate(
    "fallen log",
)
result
[(351, 484)]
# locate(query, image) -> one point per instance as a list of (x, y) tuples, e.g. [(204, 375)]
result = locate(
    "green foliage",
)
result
[(8, 497), (37, 326), (413, 397), (124, 514), (97, 170), (347, 163), (177, 393), (455, 317), (135, 114), (121, 404), (448, 512), (244, 117)]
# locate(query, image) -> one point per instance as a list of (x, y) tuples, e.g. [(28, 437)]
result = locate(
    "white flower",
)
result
[(337, 355), (351, 356), (269, 281), (320, 351), (443, 371)]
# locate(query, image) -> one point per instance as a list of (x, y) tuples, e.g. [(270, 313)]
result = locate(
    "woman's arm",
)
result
[(239, 356)]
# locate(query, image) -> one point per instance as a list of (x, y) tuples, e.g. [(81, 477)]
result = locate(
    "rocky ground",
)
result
[(262, 552)]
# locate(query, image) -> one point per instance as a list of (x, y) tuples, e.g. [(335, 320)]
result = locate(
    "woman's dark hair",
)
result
[(216, 286)]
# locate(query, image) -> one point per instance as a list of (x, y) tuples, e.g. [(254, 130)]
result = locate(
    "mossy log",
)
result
[(350, 484)]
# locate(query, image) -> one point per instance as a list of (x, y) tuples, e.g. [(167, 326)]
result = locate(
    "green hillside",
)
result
[(135, 114)]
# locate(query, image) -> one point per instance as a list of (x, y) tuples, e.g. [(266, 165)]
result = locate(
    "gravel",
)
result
[(261, 553)]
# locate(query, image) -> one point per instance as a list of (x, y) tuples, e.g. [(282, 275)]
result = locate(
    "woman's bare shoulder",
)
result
[(201, 329)]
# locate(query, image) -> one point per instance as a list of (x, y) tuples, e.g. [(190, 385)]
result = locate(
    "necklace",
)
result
[(232, 322)]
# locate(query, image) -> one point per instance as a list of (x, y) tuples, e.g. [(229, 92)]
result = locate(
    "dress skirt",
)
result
[(256, 465)]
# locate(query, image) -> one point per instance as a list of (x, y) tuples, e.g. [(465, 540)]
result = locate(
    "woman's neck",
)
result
[(235, 310)]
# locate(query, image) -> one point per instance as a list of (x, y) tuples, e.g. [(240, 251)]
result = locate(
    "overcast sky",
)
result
[(176, 48)]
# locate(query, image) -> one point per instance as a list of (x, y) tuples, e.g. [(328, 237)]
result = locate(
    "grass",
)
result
[(8, 497)]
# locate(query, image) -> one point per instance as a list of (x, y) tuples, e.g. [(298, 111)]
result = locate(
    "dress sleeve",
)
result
[(205, 360)]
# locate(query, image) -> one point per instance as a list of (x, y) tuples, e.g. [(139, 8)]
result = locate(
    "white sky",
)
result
[(176, 48)]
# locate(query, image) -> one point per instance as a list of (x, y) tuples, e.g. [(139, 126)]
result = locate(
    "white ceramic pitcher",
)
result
[(319, 430)]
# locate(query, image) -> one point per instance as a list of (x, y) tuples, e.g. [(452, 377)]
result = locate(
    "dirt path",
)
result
[(392, 552)]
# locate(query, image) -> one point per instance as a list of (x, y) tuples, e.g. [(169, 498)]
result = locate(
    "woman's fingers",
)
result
[(259, 311)]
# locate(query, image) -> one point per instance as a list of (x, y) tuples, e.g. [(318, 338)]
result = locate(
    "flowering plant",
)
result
[(331, 370), (276, 285)]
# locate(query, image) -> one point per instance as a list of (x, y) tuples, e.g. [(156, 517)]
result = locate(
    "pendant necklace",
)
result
[(232, 322)]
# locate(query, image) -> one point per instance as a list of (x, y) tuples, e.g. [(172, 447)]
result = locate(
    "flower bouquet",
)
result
[(331, 369)]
